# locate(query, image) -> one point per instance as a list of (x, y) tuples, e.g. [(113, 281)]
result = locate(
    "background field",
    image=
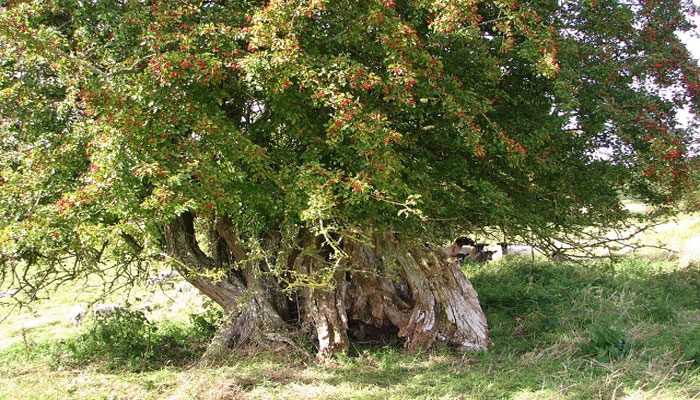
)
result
[(628, 330)]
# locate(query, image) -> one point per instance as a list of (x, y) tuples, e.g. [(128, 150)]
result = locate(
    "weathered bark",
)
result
[(327, 309), (378, 290), (193, 264), (323, 307), (427, 298), (257, 324), (250, 315)]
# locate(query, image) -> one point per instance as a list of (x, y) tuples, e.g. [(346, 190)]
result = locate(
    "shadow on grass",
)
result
[(557, 331)]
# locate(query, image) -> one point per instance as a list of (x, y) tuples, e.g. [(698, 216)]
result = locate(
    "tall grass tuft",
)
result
[(603, 311)]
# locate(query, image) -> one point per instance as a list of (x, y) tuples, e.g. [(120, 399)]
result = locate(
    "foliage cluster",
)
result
[(342, 118)]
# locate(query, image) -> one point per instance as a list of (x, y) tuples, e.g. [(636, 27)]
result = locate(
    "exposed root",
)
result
[(222, 349)]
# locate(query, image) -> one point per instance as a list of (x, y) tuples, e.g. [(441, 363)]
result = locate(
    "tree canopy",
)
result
[(345, 119)]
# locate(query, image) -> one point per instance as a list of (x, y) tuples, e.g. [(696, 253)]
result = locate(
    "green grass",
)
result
[(679, 238), (559, 331)]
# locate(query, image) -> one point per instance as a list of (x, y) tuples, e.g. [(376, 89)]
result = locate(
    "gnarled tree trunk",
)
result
[(324, 307), (379, 289), (251, 308), (384, 289), (417, 291)]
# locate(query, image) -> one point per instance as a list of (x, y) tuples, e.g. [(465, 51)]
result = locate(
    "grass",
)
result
[(629, 330), (680, 237)]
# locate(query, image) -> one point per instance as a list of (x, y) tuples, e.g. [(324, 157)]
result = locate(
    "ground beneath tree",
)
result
[(542, 317)]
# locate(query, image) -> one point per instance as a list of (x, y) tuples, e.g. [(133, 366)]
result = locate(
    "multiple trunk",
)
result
[(378, 290), (415, 290)]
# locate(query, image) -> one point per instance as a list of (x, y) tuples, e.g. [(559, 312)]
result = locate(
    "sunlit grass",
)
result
[(681, 236), (49, 318), (624, 330)]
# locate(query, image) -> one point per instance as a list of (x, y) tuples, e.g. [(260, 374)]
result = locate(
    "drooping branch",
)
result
[(581, 243)]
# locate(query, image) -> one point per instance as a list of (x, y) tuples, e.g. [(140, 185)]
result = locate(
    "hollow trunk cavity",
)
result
[(378, 290)]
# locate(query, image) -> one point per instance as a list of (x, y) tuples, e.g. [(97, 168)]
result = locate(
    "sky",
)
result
[(693, 43)]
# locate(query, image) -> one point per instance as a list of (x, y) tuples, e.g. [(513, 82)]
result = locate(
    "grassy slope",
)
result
[(625, 331)]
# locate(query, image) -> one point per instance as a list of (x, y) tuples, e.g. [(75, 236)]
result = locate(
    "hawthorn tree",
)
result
[(289, 158)]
